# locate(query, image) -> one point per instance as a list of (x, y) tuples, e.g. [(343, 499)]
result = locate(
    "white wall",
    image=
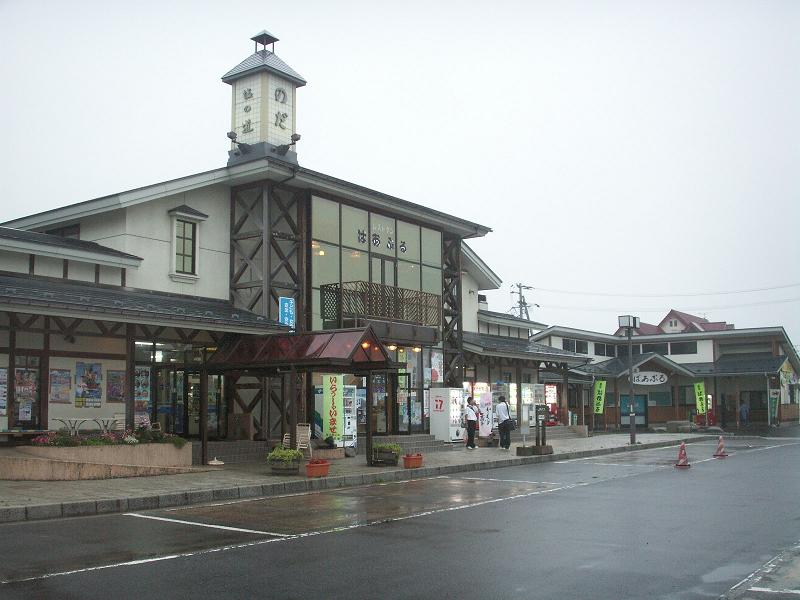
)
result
[(14, 261), (705, 353), (48, 267), (469, 302)]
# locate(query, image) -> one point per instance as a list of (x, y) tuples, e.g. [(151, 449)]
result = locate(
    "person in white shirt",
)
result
[(472, 413), (504, 423)]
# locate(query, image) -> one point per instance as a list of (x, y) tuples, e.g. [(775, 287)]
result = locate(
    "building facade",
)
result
[(756, 367)]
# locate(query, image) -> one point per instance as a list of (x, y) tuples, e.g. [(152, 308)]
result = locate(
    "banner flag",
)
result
[(599, 397), (700, 397)]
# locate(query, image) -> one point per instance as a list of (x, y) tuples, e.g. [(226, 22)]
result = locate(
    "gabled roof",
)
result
[(183, 209), (495, 345), (750, 364), (683, 317), (643, 329), (617, 367), (248, 172), (69, 298), (348, 349), (519, 322), (263, 60), (479, 270)]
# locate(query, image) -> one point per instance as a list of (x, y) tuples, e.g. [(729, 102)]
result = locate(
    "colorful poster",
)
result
[(88, 385), (700, 397), (141, 396), (599, 397), (333, 408), (60, 386), (437, 366), (26, 391), (115, 386), (3, 392)]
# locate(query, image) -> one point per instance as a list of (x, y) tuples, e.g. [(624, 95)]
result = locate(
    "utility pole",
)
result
[(522, 303)]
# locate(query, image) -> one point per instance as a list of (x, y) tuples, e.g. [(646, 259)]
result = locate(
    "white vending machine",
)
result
[(446, 409), (350, 431)]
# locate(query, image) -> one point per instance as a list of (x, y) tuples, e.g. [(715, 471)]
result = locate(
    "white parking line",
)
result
[(771, 591), (500, 480), (223, 527)]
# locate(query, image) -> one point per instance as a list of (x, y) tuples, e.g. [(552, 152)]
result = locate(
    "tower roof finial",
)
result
[(264, 37)]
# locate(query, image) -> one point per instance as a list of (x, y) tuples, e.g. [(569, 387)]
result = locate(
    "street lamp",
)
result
[(630, 323)]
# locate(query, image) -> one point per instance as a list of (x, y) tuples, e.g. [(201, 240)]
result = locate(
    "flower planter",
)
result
[(412, 461), (317, 468), (381, 457), (283, 467)]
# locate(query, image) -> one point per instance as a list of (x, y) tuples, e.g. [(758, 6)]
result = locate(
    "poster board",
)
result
[(486, 419)]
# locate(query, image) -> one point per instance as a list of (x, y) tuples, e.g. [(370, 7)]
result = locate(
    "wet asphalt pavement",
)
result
[(624, 525)]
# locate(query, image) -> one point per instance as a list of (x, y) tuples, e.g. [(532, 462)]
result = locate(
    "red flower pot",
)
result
[(317, 468), (412, 461)]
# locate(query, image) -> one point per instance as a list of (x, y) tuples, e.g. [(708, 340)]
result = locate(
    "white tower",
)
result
[(263, 115)]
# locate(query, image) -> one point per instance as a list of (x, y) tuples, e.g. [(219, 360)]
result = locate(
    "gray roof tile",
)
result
[(523, 347), (34, 237), (153, 305), (263, 60)]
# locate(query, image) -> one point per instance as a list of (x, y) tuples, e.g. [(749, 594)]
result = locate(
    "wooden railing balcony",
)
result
[(346, 303)]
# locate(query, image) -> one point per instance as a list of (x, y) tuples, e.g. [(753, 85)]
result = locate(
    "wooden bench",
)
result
[(12, 437)]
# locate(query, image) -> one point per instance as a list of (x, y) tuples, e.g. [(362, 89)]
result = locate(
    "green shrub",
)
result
[(280, 454), (396, 448)]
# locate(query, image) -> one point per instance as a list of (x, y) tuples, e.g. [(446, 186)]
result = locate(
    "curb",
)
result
[(37, 512)]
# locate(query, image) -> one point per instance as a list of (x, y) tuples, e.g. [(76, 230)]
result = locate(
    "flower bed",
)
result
[(112, 438)]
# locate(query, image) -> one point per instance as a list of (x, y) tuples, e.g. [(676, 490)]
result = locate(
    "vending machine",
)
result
[(349, 432), (446, 409)]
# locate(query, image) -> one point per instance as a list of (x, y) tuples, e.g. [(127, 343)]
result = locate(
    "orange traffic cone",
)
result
[(720, 451), (683, 461)]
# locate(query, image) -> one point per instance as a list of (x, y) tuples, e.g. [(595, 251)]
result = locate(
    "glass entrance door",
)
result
[(177, 405)]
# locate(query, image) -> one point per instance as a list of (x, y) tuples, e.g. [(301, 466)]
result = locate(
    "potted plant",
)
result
[(284, 461), (412, 461), (386, 454), (317, 467)]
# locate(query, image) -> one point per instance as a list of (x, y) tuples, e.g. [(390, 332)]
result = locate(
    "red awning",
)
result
[(356, 349)]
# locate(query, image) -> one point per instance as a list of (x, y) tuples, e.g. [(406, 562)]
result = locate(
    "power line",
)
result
[(668, 295), (661, 310)]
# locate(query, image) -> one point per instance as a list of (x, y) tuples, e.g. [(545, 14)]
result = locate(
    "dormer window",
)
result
[(186, 223)]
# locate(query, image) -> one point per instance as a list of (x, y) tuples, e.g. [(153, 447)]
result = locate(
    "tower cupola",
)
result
[(263, 108)]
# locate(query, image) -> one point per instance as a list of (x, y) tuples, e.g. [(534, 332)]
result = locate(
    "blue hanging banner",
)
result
[(286, 308)]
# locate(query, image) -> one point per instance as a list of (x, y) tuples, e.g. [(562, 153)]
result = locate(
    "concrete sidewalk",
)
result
[(32, 500)]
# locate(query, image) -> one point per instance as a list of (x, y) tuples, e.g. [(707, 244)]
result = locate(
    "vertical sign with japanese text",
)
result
[(286, 308), (700, 397), (332, 406), (599, 396)]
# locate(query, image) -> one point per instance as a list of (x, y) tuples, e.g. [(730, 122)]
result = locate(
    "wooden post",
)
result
[(368, 414), (565, 388), (44, 377), (738, 401), (11, 378), (130, 376), (518, 376), (264, 417), (293, 408), (204, 411)]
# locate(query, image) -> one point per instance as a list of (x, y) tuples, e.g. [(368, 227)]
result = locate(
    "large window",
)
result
[(185, 249), (683, 348), (351, 244), (601, 349), (579, 346), (657, 348)]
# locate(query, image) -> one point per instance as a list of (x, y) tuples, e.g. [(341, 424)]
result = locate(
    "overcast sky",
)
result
[(647, 150)]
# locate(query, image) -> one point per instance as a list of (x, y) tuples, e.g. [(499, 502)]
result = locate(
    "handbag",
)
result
[(511, 425)]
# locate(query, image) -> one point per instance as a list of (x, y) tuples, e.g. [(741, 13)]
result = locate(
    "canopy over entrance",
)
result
[(347, 349)]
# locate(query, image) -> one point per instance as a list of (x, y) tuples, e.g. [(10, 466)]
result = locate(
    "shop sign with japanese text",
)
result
[(333, 406), (599, 397), (649, 378), (700, 397)]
